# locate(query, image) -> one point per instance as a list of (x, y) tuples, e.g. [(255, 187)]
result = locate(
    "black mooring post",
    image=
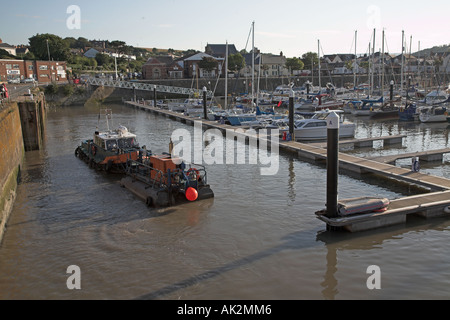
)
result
[(332, 165), (154, 96), (205, 113), (291, 115)]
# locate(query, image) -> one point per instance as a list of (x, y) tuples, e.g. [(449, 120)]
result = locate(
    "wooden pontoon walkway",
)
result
[(435, 203)]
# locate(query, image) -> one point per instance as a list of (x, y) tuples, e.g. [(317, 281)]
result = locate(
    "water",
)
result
[(257, 239)]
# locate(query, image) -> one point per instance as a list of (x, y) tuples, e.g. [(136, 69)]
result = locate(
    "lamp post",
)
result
[(48, 51)]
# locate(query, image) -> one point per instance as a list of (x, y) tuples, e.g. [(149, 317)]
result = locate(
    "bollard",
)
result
[(332, 164), (415, 166), (291, 115)]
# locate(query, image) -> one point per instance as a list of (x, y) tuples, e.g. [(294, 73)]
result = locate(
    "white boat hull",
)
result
[(346, 130)]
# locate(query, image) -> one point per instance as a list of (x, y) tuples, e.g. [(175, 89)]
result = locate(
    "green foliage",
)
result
[(236, 62), (59, 49), (208, 63), (51, 89), (294, 63), (67, 90), (309, 58)]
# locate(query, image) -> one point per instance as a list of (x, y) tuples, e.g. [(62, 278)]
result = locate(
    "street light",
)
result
[(48, 51)]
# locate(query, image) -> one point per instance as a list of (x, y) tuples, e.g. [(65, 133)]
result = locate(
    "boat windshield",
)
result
[(127, 142), (122, 143)]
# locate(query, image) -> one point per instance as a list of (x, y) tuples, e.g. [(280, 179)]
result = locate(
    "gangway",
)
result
[(145, 87)]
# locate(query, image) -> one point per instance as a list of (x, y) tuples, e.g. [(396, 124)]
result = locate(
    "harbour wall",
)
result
[(22, 128), (11, 159)]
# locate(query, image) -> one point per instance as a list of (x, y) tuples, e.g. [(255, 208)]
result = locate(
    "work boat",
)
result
[(109, 150), (164, 181), (316, 127)]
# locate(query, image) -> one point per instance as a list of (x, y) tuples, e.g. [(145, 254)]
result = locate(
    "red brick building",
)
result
[(42, 71)]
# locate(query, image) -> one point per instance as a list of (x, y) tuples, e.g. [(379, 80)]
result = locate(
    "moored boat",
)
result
[(433, 114), (163, 181), (109, 150), (315, 128)]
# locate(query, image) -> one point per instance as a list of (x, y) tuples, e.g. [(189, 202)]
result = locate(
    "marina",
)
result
[(361, 166), (236, 241), (219, 161)]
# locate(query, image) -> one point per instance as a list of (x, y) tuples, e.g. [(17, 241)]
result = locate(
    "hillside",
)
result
[(435, 50)]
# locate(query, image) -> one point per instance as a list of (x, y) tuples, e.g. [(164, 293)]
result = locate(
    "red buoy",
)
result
[(191, 194)]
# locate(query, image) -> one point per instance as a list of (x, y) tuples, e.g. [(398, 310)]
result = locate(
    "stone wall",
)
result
[(11, 158)]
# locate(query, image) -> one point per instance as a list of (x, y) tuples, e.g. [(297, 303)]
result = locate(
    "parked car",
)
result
[(14, 80), (28, 80)]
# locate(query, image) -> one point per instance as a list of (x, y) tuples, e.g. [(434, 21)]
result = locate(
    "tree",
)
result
[(236, 62), (103, 59), (294, 64), (58, 48), (208, 63), (310, 58)]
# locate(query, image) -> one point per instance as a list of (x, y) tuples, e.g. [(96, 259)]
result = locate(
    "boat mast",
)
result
[(354, 67), (401, 75), (253, 61), (373, 64), (382, 66), (318, 56), (226, 75)]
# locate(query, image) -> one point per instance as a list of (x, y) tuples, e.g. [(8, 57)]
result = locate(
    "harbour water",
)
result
[(258, 238)]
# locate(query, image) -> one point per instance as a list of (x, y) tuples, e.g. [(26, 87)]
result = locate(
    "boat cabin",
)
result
[(115, 140)]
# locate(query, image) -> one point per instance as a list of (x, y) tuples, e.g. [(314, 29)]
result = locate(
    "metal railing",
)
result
[(145, 87)]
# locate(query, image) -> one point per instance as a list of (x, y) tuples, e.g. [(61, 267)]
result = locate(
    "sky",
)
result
[(293, 27)]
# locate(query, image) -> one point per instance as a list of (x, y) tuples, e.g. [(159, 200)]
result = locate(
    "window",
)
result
[(16, 66), (43, 67), (44, 75), (30, 67), (8, 66)]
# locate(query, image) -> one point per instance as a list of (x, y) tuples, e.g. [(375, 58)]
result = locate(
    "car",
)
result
[(28, 80), (14, 81)]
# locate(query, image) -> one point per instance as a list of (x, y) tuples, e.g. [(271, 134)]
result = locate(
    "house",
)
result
[(445, 67), (10, 49), (91, 53), (271, 65), (219, 50), (42, 71), (192, 69), (158, 68), (21, 50)]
